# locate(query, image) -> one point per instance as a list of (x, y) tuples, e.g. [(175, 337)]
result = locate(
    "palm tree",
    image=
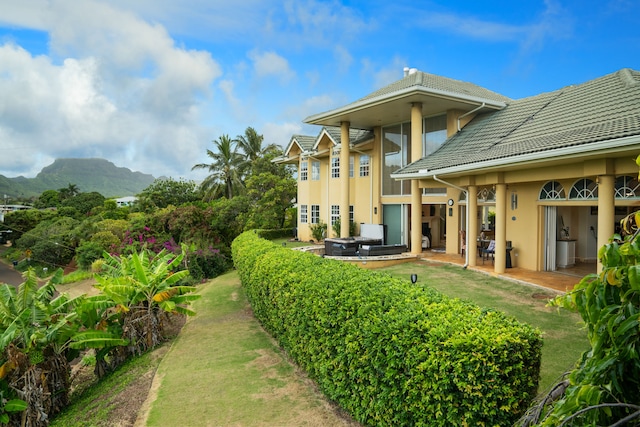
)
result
[(251, 144), (226, 169)]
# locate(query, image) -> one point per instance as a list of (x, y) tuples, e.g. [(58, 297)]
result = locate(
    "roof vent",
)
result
[(408, 71)]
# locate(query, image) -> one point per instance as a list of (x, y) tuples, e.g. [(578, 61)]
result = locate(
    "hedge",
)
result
[(389, 352)]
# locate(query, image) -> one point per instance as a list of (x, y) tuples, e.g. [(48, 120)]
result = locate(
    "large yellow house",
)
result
[(545, 177)]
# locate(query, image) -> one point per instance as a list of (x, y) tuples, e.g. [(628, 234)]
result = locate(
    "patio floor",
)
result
[(561, 280)]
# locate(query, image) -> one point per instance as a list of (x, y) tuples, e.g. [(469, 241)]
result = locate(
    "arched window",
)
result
[(552, 190), (487, 195), (627, 187), (584, 188)]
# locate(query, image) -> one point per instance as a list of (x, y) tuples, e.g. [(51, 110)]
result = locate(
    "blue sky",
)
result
[(149, 84)]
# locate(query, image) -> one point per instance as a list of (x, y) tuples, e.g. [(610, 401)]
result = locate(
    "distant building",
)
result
[(9, 208), (126, 201)]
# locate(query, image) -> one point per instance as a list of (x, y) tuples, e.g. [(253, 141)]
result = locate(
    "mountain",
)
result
[(88, 175)]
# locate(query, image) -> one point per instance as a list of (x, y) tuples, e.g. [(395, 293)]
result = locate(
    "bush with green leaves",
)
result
[(337, 225), (206, 263), (87, 253), (604, 387), (318, 230), (390, 353)]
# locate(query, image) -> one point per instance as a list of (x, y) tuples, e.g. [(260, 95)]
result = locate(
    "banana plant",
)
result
[(145, 287), (36, 328)]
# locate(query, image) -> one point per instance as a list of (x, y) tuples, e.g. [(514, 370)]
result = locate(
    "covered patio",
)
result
[(562, 280)]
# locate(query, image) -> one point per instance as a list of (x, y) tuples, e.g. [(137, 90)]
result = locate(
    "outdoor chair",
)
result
[(489, 251)]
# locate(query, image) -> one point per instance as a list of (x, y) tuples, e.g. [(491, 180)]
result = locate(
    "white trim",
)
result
[(397, 95)]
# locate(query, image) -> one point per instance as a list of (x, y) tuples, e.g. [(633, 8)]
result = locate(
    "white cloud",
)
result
[(119, 88), (280, 133), (471, 26), (266, 64), (343, 58)]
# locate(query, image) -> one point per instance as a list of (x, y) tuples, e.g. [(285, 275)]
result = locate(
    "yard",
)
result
[(223, 369)]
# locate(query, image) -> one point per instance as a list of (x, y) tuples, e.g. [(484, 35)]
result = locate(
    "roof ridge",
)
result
[(627, 78)]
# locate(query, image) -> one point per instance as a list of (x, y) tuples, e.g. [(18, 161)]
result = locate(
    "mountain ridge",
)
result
[(89, 175)]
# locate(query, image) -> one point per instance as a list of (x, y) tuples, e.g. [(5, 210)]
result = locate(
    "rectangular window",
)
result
[(315, 171), (303, 214), (335, 167), (351, 167), (304, 170), (351, 215), (335, 213), (434, 134), (394, 143), (315, 214), (364, 165)]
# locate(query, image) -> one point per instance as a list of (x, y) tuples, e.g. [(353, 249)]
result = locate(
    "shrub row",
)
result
[(387, 351)]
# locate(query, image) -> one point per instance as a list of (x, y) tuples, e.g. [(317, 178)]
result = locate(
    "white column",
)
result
[(501, 229)]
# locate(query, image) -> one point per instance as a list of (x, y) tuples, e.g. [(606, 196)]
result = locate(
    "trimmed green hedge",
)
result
[(389, 352)]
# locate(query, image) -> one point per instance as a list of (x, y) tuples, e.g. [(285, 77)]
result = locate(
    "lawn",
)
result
[(225, 370)]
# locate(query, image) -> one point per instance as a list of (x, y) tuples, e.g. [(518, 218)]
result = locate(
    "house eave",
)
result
[(597, 148), (410, 94)]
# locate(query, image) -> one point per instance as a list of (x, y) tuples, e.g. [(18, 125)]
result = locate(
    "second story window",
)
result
[(315, 171), (304, 170), (351, 166), (364, 165), (303, 214), (335, 167)]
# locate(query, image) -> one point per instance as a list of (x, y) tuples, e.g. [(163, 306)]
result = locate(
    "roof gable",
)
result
[(302, 142), (356, 136)]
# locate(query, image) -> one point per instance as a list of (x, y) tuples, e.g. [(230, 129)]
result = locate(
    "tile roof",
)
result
[(355, 135), (606, 108), (438, 83), (305, 142)]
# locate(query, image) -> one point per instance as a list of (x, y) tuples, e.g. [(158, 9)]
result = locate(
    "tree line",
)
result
[(244, 190)]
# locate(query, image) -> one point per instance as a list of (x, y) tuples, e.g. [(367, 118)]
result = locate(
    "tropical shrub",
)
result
[(206, 263), (87, 253), (389, 352), (604, 387), (337, 224), (318, 230), (36, 333), (145, 287)]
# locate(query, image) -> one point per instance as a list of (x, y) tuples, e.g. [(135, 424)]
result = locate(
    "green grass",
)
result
[(76, 276), (564, 337), (291, 244), (225, 370)]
